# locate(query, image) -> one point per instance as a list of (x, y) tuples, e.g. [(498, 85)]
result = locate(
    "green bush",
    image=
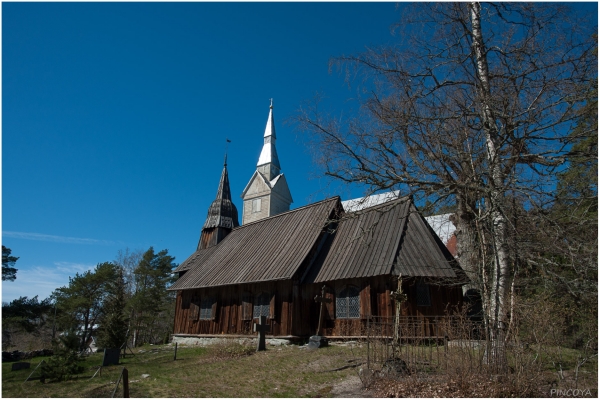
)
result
[(64, 364)]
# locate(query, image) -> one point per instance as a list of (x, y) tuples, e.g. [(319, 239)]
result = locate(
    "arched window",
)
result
[(262, 305), (347, 303)]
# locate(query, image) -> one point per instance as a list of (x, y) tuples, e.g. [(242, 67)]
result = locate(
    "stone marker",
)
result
[(20, 365), (111, 357), (316, 341), (261, 328)]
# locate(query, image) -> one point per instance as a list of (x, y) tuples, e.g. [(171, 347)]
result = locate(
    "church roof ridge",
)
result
[(288, 212)]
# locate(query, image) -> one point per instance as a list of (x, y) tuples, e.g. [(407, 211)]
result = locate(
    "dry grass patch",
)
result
[(224, 370)]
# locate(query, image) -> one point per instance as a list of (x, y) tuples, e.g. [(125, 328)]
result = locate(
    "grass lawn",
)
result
[(218, 371)]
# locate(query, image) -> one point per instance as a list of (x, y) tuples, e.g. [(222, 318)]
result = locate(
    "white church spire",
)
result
[(268, 162), (267, 193), (270, 129)]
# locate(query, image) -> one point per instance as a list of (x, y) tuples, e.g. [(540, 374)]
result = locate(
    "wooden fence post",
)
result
[(125, 383), (368, 346)]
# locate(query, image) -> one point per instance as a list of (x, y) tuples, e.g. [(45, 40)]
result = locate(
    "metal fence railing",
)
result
[(423, 343)]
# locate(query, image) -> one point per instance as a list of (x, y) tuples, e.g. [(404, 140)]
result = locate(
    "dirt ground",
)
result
[(350, 387)]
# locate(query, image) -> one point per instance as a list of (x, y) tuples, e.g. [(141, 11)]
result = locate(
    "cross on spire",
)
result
[(227, 141)]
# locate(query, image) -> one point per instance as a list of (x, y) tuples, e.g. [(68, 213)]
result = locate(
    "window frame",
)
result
[(422, 292), (256, 205), (262, 302), (339, 302), (207, 308)]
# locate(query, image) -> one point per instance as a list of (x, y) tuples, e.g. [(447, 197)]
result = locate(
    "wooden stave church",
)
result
[(277, 261)]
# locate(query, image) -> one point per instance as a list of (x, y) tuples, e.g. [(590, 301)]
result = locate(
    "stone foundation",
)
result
[(208, 341)]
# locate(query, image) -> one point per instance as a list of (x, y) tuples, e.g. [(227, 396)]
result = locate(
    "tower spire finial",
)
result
[(271, 106), (227, 141)]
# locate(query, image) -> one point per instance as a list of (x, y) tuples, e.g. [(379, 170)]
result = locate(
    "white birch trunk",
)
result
[(467, 244), (501, 264)]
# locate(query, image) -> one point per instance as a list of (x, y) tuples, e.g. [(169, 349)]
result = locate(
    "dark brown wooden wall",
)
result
[(295, 312), (228, 315), (212, 236)]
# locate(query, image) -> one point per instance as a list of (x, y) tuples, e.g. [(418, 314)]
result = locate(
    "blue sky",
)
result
[(114, 119)]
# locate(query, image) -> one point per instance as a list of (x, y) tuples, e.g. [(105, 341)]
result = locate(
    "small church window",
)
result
[(423, 297), (206, 308), (347, 303), (256, 203), (262, 305)]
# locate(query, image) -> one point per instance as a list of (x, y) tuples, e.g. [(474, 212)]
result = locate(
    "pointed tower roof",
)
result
[(270, 128), (222, 212), (268, 155)]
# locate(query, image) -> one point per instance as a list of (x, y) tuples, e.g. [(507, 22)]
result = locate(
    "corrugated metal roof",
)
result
[(381, 240), (441, 223), (266, 250), (422, 253), (391, 238), (196, 258), (365, 243)]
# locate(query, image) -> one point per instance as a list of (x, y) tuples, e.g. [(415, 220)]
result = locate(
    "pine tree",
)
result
[(64, 364), (9, 272), (113, 323), (81, 302), (151, 302)]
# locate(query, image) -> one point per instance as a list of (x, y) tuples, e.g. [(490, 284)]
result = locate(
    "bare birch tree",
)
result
[(473, 106)]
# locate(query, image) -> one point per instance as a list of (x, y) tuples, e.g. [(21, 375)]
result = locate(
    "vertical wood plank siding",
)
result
[(296, 313)]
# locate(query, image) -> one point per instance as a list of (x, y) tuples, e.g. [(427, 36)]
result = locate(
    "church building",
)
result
[(279, 260)]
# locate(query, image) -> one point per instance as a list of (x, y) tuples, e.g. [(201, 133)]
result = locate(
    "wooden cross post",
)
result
[(399, 298), (321, 299), (261, 328)]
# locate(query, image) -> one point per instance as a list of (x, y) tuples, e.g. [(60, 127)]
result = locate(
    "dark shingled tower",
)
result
[(222, 215)]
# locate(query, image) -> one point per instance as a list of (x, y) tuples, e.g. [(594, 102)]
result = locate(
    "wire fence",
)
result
[(410, 344)]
